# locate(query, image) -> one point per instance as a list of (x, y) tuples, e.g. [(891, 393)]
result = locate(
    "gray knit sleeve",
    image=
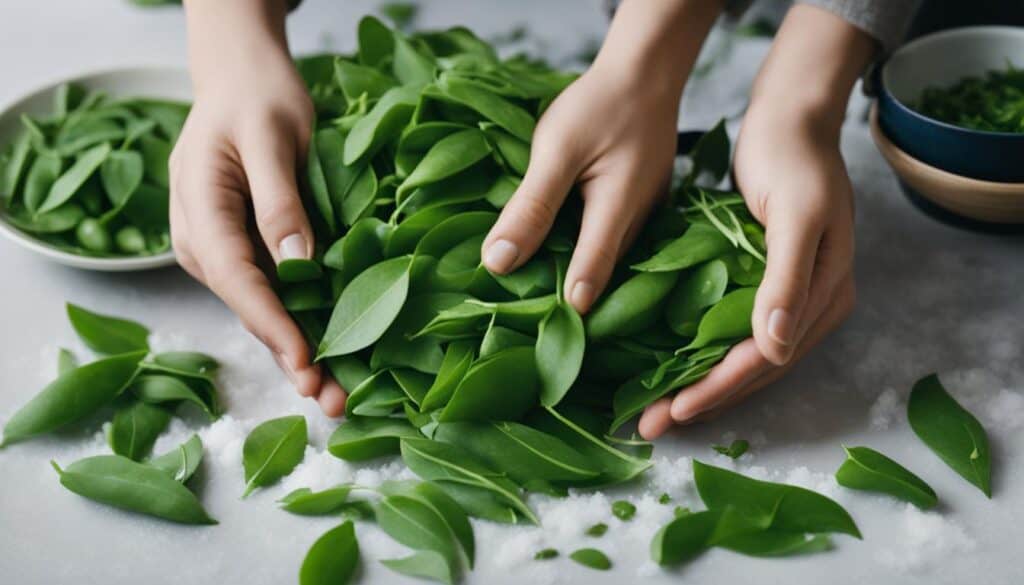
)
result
[(885, 20)]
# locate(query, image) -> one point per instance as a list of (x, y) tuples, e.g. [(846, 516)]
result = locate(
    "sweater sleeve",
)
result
[(885, 20)]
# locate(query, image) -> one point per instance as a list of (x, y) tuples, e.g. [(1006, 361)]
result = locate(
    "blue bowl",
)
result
[(941, 59)]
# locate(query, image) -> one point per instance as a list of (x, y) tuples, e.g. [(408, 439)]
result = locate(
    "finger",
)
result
[(742, 364), (607, 216), (268, 154), (527, 217), (655, 420), (332, 398), (792, 238), (180, 240), (217, 217)]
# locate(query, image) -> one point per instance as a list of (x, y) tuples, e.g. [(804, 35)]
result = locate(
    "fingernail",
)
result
[(501, 255), (781, 326), (293, 246), (582, 296)]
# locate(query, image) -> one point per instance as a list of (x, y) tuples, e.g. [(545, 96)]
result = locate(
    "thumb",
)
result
[(527, 217), (269, 159), (792, 239)]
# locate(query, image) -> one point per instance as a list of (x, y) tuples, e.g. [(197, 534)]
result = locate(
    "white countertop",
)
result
[(932, 298)]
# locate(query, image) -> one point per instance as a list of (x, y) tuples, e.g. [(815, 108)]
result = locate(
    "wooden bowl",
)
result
[(985, 201)]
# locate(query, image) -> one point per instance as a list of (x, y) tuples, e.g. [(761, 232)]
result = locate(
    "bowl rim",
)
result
[(935, 37), (99, 263), (884, 143)]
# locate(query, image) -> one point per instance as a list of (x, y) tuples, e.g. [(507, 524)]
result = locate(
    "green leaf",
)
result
[(45, 170), (419, 526), (545, 554), (272, 450), (155, 155), (192, 362), (561, 341), (592, 558), (867, 469), (16, 165), (382, 123), (440, 462), (367, 307), (120, 482), (66, 361), (783, 507), (135, 429), (333, 558), (728, 319), (159, 389), (623, 510), (699, 243), (72, 180), (512, 118), (106, 334), (425, 564), (615, 466), (298, 270), (355, 80), (376, 43), (684, 538), (360, 439), (500, 387), (448, 156), (72, 397), (457, 360), (410, 66), (524, 454), (597, 530), (181, 462), (950, 431), (306, 502), (121, 174), (735, 449), (446, 508), (711, 153), (697, 291), (317, 181)]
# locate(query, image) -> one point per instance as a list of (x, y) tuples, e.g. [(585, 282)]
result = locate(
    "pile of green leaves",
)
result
[(994, 102), (420, 141), (91, 178), (139, 392)]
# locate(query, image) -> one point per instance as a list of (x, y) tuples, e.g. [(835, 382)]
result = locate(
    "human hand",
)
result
[(248, 130), (612, 132), (792, 175)]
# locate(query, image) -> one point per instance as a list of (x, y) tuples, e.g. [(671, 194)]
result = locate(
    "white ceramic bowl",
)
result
[(161, 82)]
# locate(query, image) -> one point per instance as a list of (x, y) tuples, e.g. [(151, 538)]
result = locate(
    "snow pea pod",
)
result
[(120, 482), (73, 396), (632, 307), (92, 236), (17, 163)]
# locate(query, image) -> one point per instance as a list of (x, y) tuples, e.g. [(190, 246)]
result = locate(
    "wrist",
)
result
[(652, 45), (812, 67), (227, 39)]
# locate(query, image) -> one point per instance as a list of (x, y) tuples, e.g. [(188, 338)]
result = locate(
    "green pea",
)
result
[(93, 236), (130, 240)]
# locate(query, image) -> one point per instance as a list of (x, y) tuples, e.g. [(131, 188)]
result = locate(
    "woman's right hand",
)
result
[(238, 152)]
